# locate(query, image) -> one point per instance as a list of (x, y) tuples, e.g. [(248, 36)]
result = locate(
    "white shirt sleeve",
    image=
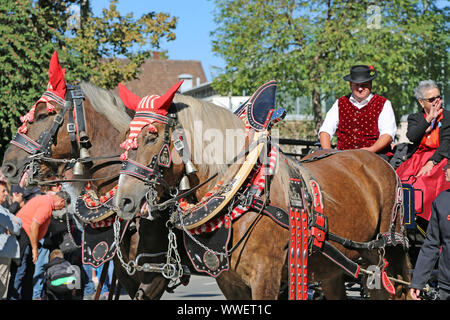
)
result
[(386, 121), (330, 123)]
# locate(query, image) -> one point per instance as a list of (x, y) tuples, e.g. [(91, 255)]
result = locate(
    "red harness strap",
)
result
[(298, 243), (319, 223)]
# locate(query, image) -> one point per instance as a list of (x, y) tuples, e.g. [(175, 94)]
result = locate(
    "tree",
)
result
[(31, 30), (102, 42), (308, 46)]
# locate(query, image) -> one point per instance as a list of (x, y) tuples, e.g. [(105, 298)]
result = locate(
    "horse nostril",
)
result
[(126, 204), (9, 170)]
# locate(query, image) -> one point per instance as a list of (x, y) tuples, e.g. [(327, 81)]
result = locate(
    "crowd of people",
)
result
[(30, 238), (30, 248)]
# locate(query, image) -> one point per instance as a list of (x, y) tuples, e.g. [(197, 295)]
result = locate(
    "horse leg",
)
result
[(153, 289), (334, 288), (232, 287), (398, 268), (259, 258), (264, 283)]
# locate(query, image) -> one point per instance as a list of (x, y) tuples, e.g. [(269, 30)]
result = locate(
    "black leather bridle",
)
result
[(153, 172), (41, 149)]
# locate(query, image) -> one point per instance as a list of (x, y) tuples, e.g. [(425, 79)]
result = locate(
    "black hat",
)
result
[(360, 74)]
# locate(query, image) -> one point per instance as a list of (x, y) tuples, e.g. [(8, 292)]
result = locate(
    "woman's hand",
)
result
[(426, 169), (435, 110)]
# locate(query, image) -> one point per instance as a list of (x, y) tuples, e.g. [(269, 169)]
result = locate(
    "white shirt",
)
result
[(386, 119)]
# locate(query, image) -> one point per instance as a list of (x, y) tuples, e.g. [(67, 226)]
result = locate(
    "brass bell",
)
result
[(184, 184), (78, 169), (189, 167)]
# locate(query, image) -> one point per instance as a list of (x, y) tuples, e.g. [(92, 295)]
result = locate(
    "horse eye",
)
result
[(150, 138), (41, 116)]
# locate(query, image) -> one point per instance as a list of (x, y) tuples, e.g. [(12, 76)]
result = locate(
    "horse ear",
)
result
[(56, 76), (130, 100), (163, 102)]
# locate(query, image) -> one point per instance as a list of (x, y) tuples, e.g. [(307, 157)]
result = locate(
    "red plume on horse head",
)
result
[(56, 92), (151, 103), (149, 109), (56, 83)]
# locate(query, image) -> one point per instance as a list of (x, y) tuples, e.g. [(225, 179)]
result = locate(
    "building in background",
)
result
[(158, 75)]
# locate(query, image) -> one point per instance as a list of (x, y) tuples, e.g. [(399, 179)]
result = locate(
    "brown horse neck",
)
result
[(105, 140)]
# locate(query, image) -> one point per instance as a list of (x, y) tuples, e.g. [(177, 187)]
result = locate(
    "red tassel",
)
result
[(387, 284)]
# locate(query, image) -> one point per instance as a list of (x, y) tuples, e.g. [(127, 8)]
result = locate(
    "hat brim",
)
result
[(349, 78)]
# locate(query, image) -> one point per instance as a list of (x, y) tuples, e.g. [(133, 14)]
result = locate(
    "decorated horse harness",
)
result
[(207, 225), (95, 212)]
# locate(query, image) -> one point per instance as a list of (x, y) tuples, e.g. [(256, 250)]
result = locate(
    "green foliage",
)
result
[(102, 41), (308, 46), (30, 30)]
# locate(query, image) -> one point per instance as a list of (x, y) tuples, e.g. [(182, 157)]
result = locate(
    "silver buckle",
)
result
[(71, 127)]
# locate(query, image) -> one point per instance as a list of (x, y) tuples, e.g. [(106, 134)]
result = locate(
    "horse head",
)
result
[(65, 124), (173, 139), (149, 138), (34, 137)]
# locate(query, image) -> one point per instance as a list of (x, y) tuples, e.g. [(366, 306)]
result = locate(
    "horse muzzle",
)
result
[(10, 171)]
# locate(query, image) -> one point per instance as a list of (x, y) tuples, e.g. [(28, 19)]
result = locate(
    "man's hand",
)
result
[(414, 293), (17, 197), (35, 255)]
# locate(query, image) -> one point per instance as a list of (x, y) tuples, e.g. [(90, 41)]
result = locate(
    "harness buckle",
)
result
[(248, 198), (178, 144), (71, 127), (77, 94), (59, 119)]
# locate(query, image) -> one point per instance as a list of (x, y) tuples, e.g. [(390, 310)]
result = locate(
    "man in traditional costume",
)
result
[(362, 119)]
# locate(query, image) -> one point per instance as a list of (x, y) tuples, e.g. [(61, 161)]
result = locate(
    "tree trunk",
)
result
[(85, 10), (317, 109)]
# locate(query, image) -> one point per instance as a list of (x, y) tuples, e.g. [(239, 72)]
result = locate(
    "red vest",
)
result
[(358, 128)]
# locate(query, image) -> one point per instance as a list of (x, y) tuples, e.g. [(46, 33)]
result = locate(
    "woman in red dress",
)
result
[(429, 131)]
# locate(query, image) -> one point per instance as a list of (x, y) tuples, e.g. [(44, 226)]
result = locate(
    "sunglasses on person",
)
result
[(447, 166), (432, 99)]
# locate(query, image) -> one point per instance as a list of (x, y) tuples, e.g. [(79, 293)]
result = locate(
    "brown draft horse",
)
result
[(359, 195), (106, 122)]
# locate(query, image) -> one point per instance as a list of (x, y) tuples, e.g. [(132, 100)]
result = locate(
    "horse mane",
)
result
[(108, 104), (203, 120)]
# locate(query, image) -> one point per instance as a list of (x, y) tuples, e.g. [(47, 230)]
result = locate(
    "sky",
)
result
[(195, 22)]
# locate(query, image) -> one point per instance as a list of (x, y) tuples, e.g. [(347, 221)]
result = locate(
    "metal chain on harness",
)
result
[(130, 267), (170, 269)]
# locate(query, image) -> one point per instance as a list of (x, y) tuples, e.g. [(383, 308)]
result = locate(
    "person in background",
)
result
[(429, 131), (62, 278), (362, 119), (10, 227), (36, 217), (436, 246)]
